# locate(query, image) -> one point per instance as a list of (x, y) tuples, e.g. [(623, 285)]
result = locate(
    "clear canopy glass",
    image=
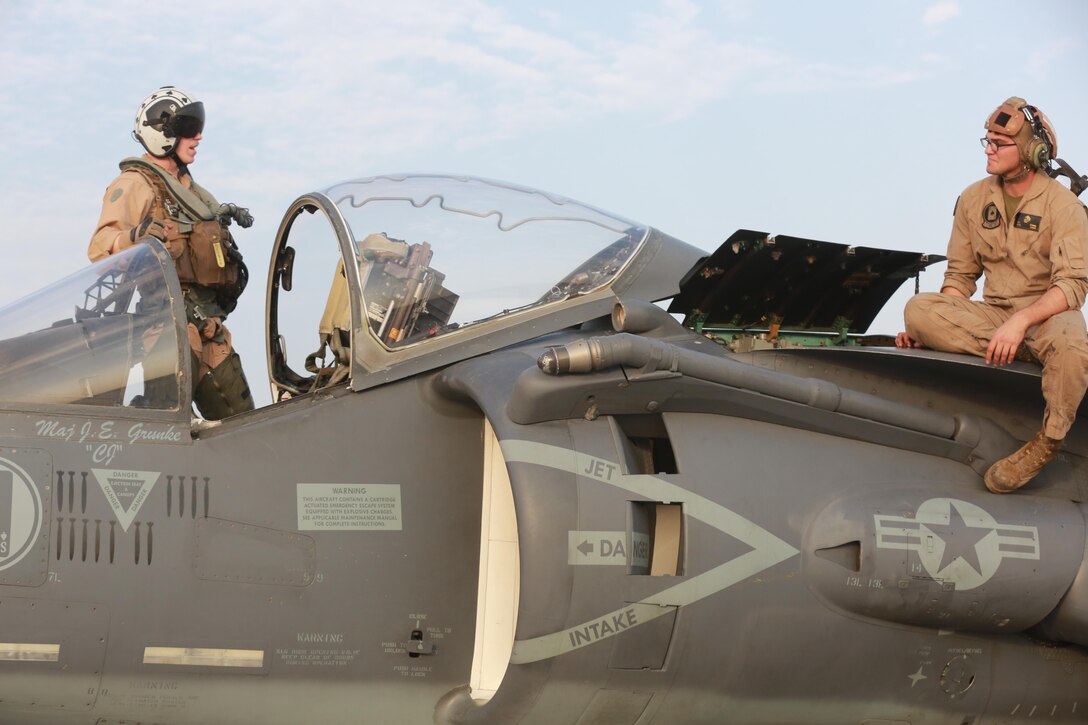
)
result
[(438, 253), (103, 336)]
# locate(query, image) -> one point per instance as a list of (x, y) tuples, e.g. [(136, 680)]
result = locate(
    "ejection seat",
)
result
[(395, 297), (334, 334)]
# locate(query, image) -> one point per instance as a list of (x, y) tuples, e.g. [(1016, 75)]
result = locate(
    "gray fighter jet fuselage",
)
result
[(496, 484)]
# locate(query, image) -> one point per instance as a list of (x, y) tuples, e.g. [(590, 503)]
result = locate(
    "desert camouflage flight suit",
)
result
[(219, 385), (1044, 245)]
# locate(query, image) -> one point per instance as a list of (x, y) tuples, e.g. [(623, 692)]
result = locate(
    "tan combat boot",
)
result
[(1012, 472)]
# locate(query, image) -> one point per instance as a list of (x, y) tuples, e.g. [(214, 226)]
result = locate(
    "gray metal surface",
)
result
[(702, 537)]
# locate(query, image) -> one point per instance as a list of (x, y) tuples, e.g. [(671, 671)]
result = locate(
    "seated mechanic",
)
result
[(1028, 236)]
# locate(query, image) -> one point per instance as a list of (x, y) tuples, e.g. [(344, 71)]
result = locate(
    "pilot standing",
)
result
[(155, 196), (1028, 235)]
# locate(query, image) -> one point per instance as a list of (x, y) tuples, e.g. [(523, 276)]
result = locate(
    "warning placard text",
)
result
[(349, 507)]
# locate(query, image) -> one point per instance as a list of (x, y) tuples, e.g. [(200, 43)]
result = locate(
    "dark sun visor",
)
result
[(187, 122)]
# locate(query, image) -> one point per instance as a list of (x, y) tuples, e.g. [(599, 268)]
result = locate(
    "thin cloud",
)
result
[(415, 74), (811, 78), (1043, 59), (737, 11), (323, 93), (940, 13)]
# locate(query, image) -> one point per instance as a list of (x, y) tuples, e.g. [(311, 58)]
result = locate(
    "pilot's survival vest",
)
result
[(196, 240)]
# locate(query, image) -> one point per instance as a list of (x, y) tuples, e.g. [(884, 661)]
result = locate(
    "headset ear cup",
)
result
[(1038, 153), (1040, 149)]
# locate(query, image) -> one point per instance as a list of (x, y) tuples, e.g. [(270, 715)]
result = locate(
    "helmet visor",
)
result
[(187, 122)]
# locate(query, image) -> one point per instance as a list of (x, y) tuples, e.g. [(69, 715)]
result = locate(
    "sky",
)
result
[(849, 121)]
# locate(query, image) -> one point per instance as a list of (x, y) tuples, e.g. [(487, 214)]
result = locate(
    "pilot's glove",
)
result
[(243, 217), (148, 228), (238, 213)]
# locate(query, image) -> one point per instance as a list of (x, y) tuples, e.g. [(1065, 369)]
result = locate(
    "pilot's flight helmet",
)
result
[(165, 116), (1029, 128)]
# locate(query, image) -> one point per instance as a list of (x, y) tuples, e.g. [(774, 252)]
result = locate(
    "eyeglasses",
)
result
[(987, 143)]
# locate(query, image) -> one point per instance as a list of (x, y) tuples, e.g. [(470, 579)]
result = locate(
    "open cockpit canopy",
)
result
[(422, 270)]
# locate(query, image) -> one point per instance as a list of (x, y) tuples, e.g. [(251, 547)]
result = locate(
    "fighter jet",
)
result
[(527, 461)]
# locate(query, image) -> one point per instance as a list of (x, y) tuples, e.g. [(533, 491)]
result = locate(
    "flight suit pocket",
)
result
[(1033, 258), (211, 265), (987, 245), (177, 245), (1070, 254)]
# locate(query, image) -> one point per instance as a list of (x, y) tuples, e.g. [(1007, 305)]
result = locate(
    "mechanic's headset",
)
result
[(1040, 148)]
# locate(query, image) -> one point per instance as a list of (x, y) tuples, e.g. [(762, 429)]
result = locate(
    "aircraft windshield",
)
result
[(99, 337), (436, 253)]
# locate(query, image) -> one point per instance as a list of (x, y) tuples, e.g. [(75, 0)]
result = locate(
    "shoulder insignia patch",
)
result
[(991, 217), (1028, 221), (116, 194)]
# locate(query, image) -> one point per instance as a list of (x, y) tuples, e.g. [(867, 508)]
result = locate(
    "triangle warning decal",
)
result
[(126, 491)]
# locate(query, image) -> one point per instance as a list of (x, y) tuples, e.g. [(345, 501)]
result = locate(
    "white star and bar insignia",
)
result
[(957, 541)]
